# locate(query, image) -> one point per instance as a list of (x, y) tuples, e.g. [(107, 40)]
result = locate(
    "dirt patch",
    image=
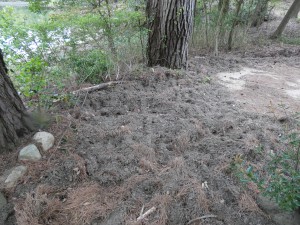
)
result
[(273, 91), (178, 133), (166, 139)]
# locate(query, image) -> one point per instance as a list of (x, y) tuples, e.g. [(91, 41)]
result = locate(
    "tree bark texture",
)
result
[(14, 121), (170, 27), (296, 11), (295, 6)]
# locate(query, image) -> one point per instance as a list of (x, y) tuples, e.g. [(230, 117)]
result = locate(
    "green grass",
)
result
[(290, 40)]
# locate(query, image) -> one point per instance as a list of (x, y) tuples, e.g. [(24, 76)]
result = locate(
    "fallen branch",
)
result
[(147, 213), (97, 87), (201, 218)]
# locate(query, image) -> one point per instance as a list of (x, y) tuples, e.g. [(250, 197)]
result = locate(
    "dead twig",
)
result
[(147, 213), (97, 87), (201, 218), (142, 211)]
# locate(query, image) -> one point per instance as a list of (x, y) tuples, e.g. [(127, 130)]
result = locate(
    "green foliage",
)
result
[(71, 41), (91, 66), (290, 40), (38, 5), (280, 179), (31, 81)]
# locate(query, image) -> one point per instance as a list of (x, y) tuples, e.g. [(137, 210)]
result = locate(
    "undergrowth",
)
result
[(279, 179)]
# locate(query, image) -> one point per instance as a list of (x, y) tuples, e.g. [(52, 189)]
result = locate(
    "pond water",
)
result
[(32, 42), (14, 4)]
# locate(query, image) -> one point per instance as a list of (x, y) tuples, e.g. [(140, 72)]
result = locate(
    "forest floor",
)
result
[(167, 139)]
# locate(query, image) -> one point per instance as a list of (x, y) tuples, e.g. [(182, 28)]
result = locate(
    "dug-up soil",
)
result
[(163, 142)]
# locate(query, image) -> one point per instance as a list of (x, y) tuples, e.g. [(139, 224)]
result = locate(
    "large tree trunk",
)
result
[(295, 11), (14, 122), (170, 23), (295, 6)]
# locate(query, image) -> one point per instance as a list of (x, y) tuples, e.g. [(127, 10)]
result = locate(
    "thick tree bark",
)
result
[(296, 11), (14, 122), (170, 23), (295, 6)]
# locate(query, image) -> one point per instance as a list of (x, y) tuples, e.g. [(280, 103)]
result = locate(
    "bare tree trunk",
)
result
[(259, 13), (296, 11), (226, 4), (222, 15), (170, 24), (206, 22), (234, 23), (282, 25), (14, 122)]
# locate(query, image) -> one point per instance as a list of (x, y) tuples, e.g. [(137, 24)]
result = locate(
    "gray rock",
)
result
[(6, 213), (286, 218), (279, 216), (14, 176), (268, 205), (30, 153), (45, 139), (3, 201)]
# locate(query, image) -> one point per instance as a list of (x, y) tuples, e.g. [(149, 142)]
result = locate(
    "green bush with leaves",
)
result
[(47, 48), (90, 66), (31, 80), (280, 179)]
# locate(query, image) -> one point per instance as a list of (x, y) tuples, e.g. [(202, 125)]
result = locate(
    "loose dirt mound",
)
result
[(167, 141)]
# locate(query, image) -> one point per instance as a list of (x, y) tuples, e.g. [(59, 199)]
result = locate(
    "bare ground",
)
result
[(165, 139)]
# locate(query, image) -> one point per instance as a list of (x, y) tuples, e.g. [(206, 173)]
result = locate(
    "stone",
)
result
[(276, 214), (45, 139), (268, 205), (287, 218), (3, 201), (14, 176), (30, 153)]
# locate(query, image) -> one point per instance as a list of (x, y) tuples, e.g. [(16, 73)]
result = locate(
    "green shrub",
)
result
[(90, 66), (280, 179), (31, 80)]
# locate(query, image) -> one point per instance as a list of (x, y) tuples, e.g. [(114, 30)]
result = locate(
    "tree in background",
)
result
[(170, 24), (296, 12), (295, 7), (14, 121)]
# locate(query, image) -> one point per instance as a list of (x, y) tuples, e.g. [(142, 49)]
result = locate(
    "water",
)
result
[(14, 4)]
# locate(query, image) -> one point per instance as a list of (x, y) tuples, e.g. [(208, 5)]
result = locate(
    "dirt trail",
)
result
[(269, 89)]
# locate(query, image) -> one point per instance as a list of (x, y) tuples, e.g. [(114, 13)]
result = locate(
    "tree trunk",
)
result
[(259, 13), (14, 122), (234, 24), (226, 4), (220, 21), (296, 11), (295, 6), (170, 24)]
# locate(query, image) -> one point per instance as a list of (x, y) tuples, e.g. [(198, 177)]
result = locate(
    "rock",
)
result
[(278, 215), (14, 176), (44, 138), (6, 214), (268, 205), (3, 201), (286, 218), (30, 153)]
